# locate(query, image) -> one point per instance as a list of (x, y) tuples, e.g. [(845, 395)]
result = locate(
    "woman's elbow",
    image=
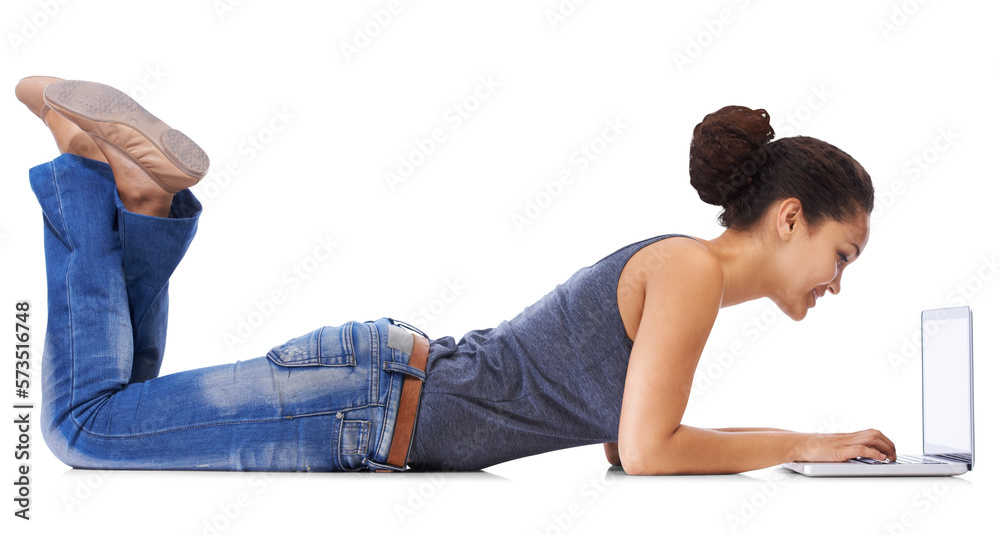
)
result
[(639, 461), (633, 468), (639, 466)]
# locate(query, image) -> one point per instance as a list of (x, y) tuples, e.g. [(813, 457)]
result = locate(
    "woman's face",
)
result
[(813, 261)]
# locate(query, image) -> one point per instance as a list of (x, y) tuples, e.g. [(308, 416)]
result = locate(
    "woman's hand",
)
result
[(838, 447)]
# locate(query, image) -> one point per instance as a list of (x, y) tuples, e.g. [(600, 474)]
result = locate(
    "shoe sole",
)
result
[(98, 103)]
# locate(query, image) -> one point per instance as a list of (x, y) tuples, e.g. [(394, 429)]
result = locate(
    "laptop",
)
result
[(949, 437)]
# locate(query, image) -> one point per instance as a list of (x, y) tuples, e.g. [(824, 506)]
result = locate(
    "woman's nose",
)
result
[(834, 285)]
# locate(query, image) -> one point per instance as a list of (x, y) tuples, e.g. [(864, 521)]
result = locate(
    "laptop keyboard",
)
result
[(901, 459), (957, 457)]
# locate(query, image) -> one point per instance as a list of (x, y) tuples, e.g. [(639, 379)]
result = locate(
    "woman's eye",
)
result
[(843, 257)]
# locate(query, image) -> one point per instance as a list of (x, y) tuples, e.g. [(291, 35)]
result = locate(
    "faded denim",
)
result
[(324, 401)]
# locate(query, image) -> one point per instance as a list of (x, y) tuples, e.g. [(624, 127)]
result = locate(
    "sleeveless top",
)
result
[(551, 378)]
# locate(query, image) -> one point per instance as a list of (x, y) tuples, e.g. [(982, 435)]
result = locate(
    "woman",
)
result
[(608, 356)]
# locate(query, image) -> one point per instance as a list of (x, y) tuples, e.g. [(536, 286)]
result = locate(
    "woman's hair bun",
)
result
[(728, 149)]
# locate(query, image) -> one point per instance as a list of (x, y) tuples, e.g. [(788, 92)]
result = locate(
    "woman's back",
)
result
[(550, 378)]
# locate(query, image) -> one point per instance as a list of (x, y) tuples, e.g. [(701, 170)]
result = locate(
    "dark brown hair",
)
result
[(735, 165)]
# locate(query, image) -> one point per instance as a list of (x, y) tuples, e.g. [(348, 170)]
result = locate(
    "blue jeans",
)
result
[(324, 401)]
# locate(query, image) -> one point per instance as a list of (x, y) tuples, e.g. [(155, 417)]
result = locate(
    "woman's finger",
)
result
[(864, 451), (879, 441)]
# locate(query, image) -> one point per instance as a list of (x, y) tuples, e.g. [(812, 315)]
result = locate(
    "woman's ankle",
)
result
[(70, 139), (82, 145), (157, 207)]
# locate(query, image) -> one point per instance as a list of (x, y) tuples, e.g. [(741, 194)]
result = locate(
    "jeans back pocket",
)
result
[(327, 346), (330, 369)]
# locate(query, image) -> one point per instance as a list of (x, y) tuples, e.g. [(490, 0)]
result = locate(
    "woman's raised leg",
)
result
[(319, 402)]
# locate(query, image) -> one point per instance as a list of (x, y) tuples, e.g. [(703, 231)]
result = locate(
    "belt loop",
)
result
[(409, 404), (395, 367)]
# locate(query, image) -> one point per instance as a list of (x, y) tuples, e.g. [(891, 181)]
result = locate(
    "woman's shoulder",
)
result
[(679, 266), (683, 272), (678, 255)]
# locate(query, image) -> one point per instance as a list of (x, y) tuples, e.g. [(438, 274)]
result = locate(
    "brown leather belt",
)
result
[(409, 401)]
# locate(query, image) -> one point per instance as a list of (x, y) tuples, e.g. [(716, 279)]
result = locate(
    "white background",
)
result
[(887, 81)]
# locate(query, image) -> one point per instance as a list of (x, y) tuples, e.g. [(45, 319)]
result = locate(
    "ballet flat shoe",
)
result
[(117, 122), (29, 91)]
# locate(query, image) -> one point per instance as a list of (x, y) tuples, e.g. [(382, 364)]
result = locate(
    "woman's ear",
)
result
[(788, 218)]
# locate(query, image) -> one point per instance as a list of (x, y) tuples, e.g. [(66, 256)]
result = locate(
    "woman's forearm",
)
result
[(692, 450), (751, 430)]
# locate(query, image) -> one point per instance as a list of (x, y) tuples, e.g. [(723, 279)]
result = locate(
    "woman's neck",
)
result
[(746, 266)]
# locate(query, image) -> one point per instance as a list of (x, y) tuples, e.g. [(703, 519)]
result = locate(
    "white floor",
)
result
[(466, 157), (563, 492)]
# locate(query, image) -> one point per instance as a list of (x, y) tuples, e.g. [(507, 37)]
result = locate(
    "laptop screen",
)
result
[(947, 377)]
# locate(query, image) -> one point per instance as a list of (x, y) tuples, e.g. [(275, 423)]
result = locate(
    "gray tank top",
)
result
[(551, 378)]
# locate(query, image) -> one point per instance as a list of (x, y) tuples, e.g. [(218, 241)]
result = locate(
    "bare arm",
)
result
[(681, 302), (611, 448), (751, 430), (718, 452)]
